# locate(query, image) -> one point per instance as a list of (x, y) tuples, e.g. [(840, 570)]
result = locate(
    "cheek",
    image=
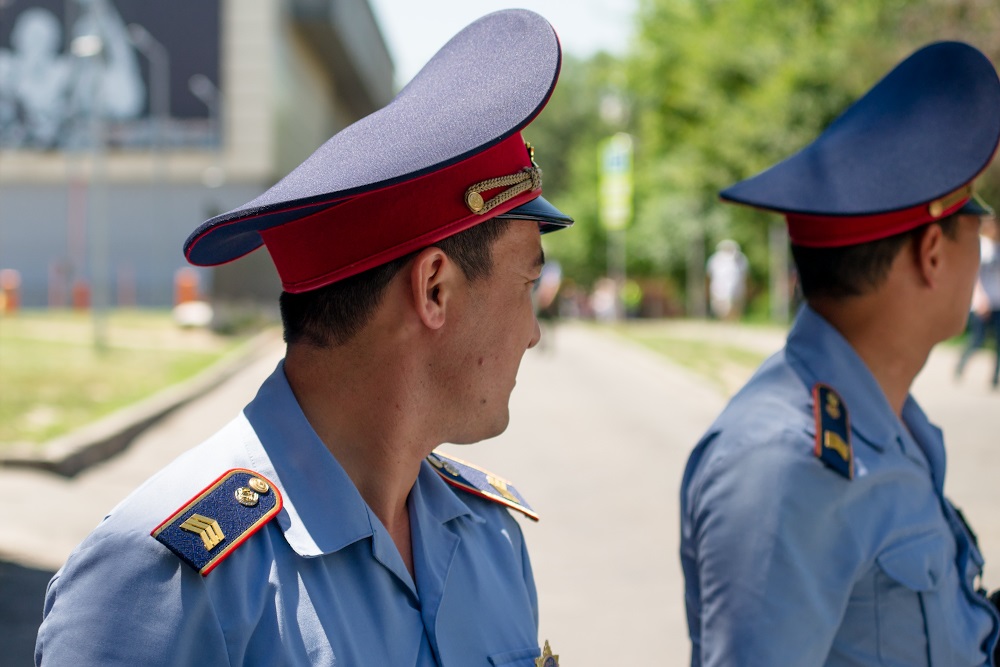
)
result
[(972, 267), (973, 277), (512, 330), (967, 269)]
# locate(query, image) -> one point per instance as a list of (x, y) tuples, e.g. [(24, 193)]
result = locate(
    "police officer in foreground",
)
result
[(814, 526), (319, 527)]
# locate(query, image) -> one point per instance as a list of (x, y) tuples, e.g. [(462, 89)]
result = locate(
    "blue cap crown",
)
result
[(904, 154)]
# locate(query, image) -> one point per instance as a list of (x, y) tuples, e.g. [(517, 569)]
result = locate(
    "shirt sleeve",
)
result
[(768, 556), (125, 600)]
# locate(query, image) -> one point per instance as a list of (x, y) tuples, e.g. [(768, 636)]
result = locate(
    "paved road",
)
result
[(599, 435)]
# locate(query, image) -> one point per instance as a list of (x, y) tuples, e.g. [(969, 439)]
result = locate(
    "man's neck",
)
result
[(885, 338), (361, 407)]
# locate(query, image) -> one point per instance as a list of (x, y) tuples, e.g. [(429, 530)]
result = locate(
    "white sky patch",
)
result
[(415, 30)]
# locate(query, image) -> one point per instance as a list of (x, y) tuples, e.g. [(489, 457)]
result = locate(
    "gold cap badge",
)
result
[(937, 207), (529, 178)]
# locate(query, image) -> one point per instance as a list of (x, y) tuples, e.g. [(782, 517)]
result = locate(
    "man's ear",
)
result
[(928, 249), (432, 282)]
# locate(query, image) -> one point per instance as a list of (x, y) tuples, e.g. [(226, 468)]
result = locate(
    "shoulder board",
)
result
[(479, 482), (833, 430), (223, 516)]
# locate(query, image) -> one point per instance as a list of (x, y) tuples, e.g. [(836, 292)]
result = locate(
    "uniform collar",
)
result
[(819, 353), (323, 510), (433, 500)]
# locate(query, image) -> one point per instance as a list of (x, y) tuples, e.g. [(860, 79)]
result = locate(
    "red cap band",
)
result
[(376, 227), (825, 231)]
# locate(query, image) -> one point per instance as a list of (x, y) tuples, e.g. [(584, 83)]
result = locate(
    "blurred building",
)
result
[(126, 123)]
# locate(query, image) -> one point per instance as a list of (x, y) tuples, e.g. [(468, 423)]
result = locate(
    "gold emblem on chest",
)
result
[(547, 659)]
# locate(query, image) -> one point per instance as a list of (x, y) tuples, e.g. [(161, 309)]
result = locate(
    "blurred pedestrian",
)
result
[(320, 527), (984, 316), (603, 300), (814, 525), (547, 302), (727, 271)]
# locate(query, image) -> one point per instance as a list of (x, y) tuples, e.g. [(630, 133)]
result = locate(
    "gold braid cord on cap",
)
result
[(937, 207), (529, 178)]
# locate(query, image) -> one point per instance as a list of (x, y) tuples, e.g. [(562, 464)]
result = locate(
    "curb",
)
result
[(70, 454)]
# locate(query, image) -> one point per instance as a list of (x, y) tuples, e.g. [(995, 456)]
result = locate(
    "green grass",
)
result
[(53, 378), (725, 365)]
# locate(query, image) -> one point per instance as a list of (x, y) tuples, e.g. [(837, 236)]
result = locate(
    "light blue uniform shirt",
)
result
[(321, 584), (787, 562)]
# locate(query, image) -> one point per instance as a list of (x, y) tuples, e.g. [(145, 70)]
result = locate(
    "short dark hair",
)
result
[(333, 314), (855, 269)]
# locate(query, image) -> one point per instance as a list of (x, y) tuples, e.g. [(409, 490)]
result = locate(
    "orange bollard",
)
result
[(185, 285), (10, 286), (81, 294)]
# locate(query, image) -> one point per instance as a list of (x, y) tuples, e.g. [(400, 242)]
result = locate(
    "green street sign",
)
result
[(615, 193)]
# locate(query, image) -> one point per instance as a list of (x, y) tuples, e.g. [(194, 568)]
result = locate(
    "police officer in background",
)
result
[(814, 526), (319, 527)]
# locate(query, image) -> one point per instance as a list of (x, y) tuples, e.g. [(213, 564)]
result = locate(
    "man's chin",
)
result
[(485, 432)]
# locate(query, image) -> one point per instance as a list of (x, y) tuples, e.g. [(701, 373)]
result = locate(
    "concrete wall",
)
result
[(284, 92), (250, 38), (306, 112), (45, 226)]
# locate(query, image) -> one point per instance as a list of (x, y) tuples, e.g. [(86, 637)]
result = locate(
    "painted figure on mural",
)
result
[(49, 94)]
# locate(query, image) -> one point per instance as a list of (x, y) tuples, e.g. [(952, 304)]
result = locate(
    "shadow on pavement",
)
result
[(22, 591)]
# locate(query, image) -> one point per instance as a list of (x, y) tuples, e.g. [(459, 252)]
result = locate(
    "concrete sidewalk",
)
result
[(600, 431)]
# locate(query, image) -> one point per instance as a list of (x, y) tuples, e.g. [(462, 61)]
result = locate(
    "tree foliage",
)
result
[(717, 90), (566, 137)]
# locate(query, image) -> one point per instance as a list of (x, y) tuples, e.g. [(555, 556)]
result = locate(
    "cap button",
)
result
[(474, 201)]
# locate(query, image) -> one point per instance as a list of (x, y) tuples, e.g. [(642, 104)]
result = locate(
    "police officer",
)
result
[(319, 527), (814, 526)]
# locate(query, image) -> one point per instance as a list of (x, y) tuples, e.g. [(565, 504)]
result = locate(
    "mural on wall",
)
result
[(128, 72)]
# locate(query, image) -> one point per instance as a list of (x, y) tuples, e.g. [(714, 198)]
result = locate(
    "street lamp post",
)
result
[(159, 79), (615, 196), (87, 48), (206, 91)]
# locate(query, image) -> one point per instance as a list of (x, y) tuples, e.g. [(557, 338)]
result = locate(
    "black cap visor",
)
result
[(548, 217)]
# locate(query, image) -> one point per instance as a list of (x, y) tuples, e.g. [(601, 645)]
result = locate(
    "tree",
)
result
[(725, 88), (715, 91), (566, 137)]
